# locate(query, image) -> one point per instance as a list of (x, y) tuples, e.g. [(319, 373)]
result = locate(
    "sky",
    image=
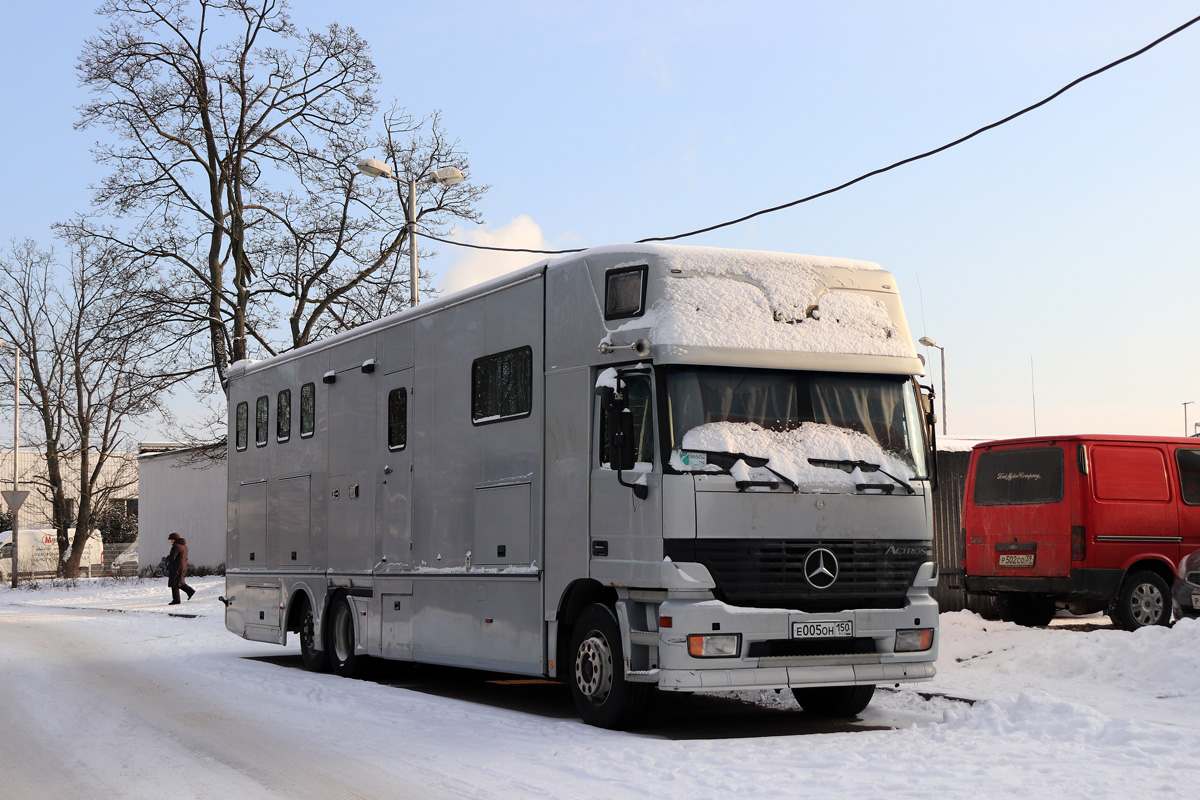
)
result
[(1055, 258)]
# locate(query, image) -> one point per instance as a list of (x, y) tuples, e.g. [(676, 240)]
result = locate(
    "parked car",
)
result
[(1186, 592), (1087, 523)]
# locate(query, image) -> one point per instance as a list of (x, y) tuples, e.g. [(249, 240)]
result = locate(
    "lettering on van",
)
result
[(1018, 476)]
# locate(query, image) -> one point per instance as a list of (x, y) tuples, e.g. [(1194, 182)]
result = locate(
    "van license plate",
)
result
[(1196, 601), (831, 629), (1016, 559)]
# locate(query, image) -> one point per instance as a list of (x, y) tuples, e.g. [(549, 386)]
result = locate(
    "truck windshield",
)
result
[(881, 408)]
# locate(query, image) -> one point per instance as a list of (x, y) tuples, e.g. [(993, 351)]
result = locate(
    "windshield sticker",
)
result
[(693, 460)]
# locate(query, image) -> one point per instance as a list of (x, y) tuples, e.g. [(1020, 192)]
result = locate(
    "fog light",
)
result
[(914, 641), (725, 645)]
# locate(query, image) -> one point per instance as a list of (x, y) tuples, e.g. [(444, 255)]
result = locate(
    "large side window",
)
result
[(641, 406), (283, 416), (502, 386), (1189, 475), (397, 430), (1019, 477), (261, 415), (242, 425), (308, 409)]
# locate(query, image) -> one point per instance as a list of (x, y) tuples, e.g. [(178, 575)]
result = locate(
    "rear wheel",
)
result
[(1030, 610), (1144, 600), (834, 701), (340, 640), (314, 659), (602, 695)]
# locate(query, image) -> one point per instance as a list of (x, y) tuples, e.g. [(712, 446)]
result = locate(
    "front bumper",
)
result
[(769, 631)]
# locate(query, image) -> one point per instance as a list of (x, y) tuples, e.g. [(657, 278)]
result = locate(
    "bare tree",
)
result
[(233, 140), (98, 357)]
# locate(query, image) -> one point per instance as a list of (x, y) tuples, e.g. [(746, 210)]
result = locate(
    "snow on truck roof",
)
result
[(714, 297)]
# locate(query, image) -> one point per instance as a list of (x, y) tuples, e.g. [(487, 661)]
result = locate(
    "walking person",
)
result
[(177, 568)]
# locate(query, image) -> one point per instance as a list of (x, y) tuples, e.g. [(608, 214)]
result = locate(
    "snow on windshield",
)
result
[(788, 451), (769, 301)]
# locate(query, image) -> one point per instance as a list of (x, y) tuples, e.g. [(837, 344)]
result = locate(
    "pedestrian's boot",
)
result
[(173, 603), (190, 593)]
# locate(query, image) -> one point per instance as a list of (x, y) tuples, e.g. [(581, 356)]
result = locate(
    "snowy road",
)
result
[(108, 695)]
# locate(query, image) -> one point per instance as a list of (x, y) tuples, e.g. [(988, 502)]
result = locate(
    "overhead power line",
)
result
[(872, 173)]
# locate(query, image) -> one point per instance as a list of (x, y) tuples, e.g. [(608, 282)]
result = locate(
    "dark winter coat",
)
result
[(177, 562)]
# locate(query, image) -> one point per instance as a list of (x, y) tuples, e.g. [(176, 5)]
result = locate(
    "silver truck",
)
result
[(638, 467)]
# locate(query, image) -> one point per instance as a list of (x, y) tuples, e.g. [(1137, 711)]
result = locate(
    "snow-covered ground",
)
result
[(108, 692)]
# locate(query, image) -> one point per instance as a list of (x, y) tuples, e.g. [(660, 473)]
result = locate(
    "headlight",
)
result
[(914, 640), (724, 645)]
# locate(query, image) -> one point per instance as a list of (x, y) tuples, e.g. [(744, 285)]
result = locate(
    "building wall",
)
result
[(36, 512), (181, 491)]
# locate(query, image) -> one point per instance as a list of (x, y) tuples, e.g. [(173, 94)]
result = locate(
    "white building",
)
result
[(181, 490)]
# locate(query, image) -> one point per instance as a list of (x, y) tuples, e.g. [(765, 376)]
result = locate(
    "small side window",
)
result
[(283, 416), (1189, 475), (308, 409), (397, 431), (625, 292), (261, 414), (242, 425)]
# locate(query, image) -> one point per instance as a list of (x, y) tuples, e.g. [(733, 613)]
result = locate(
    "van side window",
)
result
[(283, 416), (1129, 473), (641, 405), (1189, 475), (261, 414), (502, 386), (1019, 477), (241, 426), (308, 409), (397, 430)]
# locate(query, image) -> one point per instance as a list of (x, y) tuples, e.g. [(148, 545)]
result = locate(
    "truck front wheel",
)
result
[(1144, 600), (835, 701), (602, 695)]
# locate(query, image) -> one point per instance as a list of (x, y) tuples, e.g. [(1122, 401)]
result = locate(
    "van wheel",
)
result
[(1029, 610), (1142, 601), (340, 638), (834, 701), (314, 660), (602, 695)]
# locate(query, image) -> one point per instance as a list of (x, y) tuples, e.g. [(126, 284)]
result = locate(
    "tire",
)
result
[(1144, 600), (1029, 610), (339, 638), (602, 695), (834, 701), (314, 660)]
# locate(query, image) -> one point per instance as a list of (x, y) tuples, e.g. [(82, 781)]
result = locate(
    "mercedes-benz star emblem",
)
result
[(821, 568)]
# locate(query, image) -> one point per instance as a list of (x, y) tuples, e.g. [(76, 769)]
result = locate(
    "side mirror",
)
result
[(927, 396), (618, 421)]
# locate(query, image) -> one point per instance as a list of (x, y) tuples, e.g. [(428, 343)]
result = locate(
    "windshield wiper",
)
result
[(847, 465), (757, 462)]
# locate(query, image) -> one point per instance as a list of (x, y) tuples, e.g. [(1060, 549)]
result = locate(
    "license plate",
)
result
[(829, 629), (1016, 559), (1196, 601)]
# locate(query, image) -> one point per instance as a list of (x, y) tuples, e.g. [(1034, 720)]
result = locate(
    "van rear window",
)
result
[(1019, 477)]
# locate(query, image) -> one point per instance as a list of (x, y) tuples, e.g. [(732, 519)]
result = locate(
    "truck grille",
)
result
[(760, 573)]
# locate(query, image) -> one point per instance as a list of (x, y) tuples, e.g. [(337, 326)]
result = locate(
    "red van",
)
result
[(1092, 523)]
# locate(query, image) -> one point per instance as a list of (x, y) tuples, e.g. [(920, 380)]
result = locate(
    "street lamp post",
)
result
[(1185, 405), (15, 506), (446, 176), (925, 340)]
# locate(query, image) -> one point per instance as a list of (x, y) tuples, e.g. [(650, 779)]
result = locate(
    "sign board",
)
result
[(14, 499)]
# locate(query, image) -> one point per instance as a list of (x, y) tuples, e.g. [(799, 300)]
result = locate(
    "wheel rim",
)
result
[(1146, 604), (343, 637), (594, 668)]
